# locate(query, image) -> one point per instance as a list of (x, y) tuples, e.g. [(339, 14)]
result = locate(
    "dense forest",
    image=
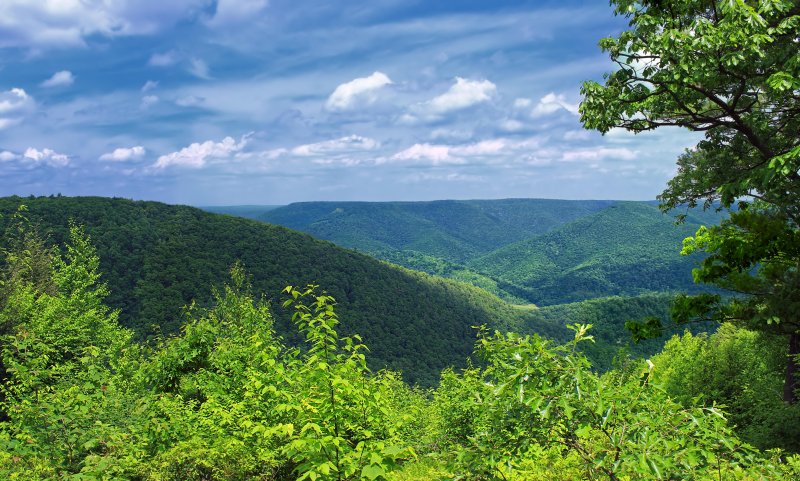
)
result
[(538, 251), (146, 342), (228, 399), (158, 258)]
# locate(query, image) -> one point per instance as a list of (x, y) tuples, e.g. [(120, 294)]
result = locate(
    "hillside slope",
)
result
[(523, 250), (157, 258), (629, 248), (452, 230)]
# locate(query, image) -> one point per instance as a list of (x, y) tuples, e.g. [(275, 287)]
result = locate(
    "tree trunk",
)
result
[(790, 384)]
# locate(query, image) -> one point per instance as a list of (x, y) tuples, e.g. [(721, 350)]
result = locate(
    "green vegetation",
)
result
[(739, 369), (437, 237), (521, 250), (609, 316), (157, 259), (732, 71), (227, 399), (451, 230), (626, 249)]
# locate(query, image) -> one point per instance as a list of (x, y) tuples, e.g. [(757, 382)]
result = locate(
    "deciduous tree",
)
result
[(730, 69)]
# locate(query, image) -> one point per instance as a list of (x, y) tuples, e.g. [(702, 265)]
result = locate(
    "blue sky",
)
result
[(212, 102)]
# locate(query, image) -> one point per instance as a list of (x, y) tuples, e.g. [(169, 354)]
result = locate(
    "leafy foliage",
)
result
[(158, 258), (536, 402), (739, 369), (227, 399), (730, 69)]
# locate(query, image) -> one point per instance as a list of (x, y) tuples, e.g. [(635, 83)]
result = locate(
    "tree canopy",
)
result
[(730, 69)]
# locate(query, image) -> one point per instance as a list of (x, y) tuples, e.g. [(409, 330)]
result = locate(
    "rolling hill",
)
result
[(452, 230), (629, 248), (537, 251), (156, 258)]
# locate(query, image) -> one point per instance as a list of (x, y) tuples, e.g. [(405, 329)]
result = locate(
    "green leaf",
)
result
[(373, 471)]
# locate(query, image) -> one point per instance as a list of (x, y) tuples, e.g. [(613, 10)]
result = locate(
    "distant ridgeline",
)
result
[(157, 258), (538, 251)]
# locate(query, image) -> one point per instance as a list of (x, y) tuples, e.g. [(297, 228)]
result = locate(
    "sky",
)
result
[(225, 102)]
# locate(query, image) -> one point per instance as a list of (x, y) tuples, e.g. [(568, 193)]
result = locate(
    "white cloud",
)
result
[(522, 103), (488, 150), (64, 23), (15, 104), (230, 12), (197, 155), (163, 59), (61, 78), (124, 154), (45, 156), (437, 154), (352, 143), (363, 89), (199, 68), (599, 154), (12, 100), (149, 85), (6, 156), (484, 147), (464, 93), (343, 151), (552, 103), (512, 125)]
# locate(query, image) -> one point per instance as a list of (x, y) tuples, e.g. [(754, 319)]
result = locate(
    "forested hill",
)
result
[(452, 230), (157, 258), (629, 248), (536, 251)]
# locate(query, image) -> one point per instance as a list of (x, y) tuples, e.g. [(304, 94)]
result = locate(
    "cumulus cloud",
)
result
[(347, 151), (352, 143), (61, 78), (124, 154), (464, 93), (58, 24), (15, 104), (197, 155), (552, 103), (45, 156), (599, 153), (522, 103), (354, 92), (511, 125), (437, 154), (231, 12), (6, 156)]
